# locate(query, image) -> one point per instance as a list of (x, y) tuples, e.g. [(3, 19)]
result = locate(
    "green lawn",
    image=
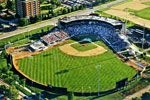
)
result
[(129, 23), (144, 13), (21, 42), (122, 3), (147, 3), (36, 34), (61, 70), (1, 33), (80, 47), (44, 11), (3, 62)]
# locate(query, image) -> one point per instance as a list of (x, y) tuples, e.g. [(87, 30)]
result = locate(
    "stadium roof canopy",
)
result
[(90, 17)]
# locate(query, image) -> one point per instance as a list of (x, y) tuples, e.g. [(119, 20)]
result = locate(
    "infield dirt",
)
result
[(68, 49)]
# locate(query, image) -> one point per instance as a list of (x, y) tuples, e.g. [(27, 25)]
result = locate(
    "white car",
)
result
[(1, 95)]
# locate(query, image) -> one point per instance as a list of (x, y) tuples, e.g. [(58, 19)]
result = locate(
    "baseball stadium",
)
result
[(80, 54)]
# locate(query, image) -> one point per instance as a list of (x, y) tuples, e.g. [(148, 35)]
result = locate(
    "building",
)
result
[(27, 8)]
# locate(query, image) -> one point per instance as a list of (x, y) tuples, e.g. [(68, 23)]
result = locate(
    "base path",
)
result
[(68, 49)]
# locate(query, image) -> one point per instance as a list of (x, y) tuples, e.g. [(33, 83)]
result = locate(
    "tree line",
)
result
[(50, 14), (8, 76)]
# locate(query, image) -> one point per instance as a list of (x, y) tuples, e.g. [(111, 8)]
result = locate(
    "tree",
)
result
[(103, 1), (73, 8), (65, 11), (137, 98), (58, 3), (9, 4), (23, 82), (9, 66), (81, 7), (69, 10), (39, 95), (39, 18), (13, 93), (1, 7), (4, 54), (3, 89), (77, 7), (146, 95), (23, 22), (15, 77), (54, 14), (53, 1)]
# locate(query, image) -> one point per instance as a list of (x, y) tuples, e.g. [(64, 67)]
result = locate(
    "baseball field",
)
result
[(78, 74), (136, 11)]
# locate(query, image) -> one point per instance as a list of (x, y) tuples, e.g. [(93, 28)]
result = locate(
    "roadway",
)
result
[(54, 20)]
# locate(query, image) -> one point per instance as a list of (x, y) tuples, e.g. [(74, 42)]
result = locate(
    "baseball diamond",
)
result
[(90, 41)]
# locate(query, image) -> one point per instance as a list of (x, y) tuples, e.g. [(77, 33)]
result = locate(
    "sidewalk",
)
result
[(138, 94)]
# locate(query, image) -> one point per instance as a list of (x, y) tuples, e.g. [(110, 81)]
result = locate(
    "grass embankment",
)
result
[(146, 3), (61, 70), (22, 39), (122, 3), (143, 13), (101, 12)]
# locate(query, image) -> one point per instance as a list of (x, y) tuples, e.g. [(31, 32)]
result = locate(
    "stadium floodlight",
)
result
[(90, 90), (82, 90), (28, 20), (126, 15), (98, 67), (31, 57), (143, 40)]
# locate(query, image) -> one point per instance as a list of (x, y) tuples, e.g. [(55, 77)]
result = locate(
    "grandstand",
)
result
[(103, 27)]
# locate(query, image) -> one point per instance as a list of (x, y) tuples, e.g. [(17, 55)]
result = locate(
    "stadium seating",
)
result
[(101, 29)]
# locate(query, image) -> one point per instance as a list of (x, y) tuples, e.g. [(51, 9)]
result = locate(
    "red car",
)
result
[(4, 98)]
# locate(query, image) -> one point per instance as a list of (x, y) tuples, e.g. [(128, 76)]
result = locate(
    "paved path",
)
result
[(137, 94), (53, 21), (21, 95)]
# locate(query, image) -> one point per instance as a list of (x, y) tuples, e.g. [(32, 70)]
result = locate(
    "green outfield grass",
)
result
[(61, 70), (80, 47)]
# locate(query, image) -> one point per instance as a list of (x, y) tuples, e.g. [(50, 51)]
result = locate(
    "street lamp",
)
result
[(126, 20), (143, 36), (30, 57), (28, 19), (82, 90), (98, 67), (126, 14)]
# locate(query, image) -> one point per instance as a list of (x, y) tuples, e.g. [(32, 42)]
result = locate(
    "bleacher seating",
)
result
[(104, 30)]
